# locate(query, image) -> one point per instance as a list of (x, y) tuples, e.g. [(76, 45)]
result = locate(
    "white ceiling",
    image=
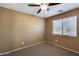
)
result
[(54, 10)]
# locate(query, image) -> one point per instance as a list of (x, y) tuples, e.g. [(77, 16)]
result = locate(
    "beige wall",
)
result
[(16, 27), (69, 42)]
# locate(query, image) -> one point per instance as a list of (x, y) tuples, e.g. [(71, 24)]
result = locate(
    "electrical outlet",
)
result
[(22, 43), (56, 40)]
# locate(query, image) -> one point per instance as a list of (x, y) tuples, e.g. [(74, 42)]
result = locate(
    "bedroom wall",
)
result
[(17, 28), (65, 41)]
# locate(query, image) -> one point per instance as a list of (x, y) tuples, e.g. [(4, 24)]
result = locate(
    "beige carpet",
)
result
[(43, 49)]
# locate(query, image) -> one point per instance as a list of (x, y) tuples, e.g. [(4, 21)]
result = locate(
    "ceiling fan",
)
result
[(43, 6)]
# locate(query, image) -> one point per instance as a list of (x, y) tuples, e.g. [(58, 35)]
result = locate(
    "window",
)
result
[(57, 27), (66, 26), (70, 26)]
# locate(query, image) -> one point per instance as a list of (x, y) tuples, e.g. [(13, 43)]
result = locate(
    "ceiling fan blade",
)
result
[(33, 5), (48, 9), (52, 4), (39, 11)]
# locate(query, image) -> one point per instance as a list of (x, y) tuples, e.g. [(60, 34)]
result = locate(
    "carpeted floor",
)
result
[(43, 49)]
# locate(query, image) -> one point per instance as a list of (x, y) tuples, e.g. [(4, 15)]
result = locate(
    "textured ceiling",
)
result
[(54, 10)]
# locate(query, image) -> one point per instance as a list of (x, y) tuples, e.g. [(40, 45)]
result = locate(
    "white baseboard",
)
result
[(20, 48), (63, 47), (37, 44)]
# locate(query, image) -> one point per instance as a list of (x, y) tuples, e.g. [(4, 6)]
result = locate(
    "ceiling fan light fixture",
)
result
[(44, 6)]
